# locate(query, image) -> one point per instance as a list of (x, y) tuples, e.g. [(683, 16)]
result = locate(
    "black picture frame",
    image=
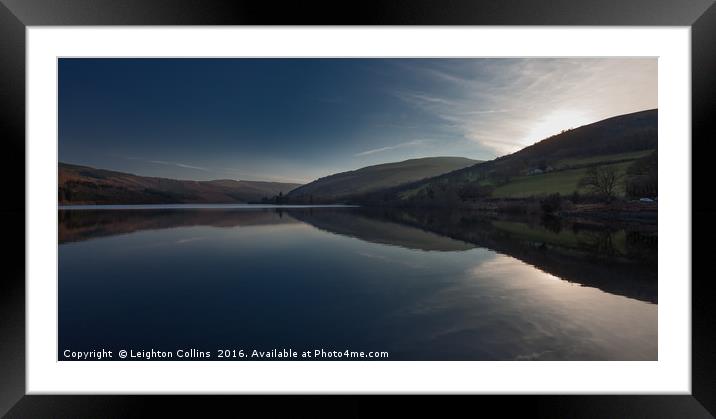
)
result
[(16, 15)]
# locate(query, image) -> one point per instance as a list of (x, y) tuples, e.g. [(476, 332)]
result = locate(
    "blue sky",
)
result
[(300, 119)]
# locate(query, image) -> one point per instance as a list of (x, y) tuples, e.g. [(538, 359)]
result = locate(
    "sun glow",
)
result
[(556, 122)]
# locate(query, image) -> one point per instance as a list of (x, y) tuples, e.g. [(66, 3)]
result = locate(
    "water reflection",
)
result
[(422, 285)]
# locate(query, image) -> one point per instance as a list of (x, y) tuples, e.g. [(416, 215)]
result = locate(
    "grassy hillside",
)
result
[(378, 177), (624, 144), (563, 182), (87, 185)]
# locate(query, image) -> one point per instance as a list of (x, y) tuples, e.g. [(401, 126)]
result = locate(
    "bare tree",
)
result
[(602, 180)]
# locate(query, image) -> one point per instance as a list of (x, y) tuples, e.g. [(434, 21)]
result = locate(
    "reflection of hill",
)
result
[(615, 261), (355, 223), (82, 225)]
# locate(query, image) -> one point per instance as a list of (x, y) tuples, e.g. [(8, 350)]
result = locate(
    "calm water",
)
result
[(420, 285)]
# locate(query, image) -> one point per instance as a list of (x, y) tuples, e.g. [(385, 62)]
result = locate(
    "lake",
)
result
[(420, 285)]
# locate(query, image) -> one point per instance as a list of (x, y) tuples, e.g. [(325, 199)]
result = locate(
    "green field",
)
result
[(564, 182), (602, 159)]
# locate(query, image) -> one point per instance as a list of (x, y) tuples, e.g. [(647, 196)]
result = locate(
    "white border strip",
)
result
[(670, 374)]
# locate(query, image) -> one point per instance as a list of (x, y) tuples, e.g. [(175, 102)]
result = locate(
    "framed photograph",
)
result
[(419, 200)]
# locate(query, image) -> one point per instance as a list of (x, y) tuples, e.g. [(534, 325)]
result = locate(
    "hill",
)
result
[(625, 145), (374, 178), (87, 185)]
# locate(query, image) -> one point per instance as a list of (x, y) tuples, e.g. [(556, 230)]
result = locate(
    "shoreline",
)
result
[(620, 212), (193, 206)]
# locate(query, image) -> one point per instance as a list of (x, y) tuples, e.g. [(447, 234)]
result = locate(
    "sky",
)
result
[(298, 119)]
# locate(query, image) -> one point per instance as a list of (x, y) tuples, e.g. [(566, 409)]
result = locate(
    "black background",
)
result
[(15, 15)]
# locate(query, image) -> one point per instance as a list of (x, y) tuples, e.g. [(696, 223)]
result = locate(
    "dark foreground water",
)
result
[(418, 285)]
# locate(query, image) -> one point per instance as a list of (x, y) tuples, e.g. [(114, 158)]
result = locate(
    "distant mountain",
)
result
[(625, 145), (87, 185), (554, 165), (374, 178)]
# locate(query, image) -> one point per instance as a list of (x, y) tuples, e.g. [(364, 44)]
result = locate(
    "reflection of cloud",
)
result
[(533, 356), (190, 239), (392, 260), (505, 309), (387, 148), (515, 269)]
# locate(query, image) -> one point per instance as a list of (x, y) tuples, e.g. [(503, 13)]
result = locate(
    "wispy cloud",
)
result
[(498, 103), (185, 166), (221, 172), (189, 239), (167, 163), (388, 148), (257, 176)]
